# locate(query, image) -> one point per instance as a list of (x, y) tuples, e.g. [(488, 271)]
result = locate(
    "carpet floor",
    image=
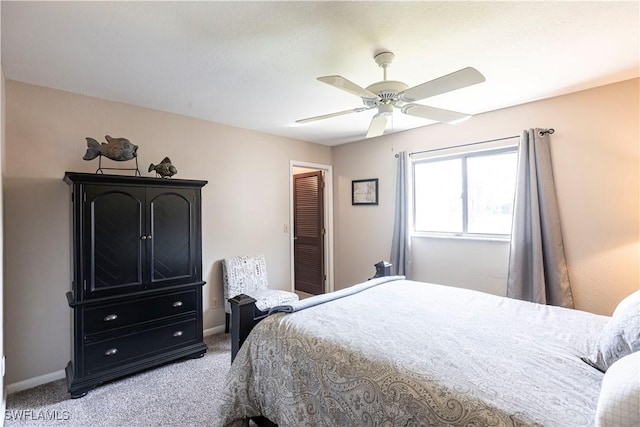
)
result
[(183, 393)]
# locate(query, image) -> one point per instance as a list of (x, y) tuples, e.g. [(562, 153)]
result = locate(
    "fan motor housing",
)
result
[(386, 90)]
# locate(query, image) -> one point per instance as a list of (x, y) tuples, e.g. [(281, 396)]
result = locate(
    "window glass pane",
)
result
[(438, 196), (490, 189)]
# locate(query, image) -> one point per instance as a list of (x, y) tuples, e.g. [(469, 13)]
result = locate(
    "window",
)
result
[(467, 194)]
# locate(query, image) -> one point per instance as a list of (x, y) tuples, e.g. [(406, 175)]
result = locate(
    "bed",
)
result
[(395, 352)]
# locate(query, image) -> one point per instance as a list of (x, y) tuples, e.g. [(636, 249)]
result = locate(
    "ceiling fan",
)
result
[(387, 94)]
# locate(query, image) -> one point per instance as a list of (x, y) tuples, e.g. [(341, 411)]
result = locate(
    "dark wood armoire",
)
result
[(136, 293)]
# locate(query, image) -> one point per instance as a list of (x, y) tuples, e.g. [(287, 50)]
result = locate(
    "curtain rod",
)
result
[(542, 132)]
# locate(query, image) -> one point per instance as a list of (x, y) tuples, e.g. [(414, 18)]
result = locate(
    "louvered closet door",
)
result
[(308, 232), (113, 242), (171, 236)]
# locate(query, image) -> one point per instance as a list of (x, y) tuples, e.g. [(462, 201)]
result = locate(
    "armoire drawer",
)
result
[(111, 316), (108, 353)]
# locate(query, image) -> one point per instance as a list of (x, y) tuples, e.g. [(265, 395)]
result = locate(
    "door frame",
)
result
[(328, 220)]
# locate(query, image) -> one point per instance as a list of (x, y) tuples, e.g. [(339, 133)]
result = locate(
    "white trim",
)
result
[(213, 331), (505, 238), (457, 150), (35, 381), (328, 219)]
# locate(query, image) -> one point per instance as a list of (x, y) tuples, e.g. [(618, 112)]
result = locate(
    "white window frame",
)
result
[(463, 155)]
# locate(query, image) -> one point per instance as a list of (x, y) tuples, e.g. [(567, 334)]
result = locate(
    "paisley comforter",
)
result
[(405, 353)]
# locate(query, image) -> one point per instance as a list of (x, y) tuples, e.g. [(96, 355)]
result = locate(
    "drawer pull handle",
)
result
[(177, 304), (111, 352), (110, 317), (177, 334)]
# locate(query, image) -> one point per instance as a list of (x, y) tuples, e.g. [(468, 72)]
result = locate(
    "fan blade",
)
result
[(432, 113), (348, 86), (328, 116), (457, 80), (378, 123)]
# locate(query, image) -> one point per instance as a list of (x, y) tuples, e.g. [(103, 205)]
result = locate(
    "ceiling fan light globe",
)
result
[(386, 109)]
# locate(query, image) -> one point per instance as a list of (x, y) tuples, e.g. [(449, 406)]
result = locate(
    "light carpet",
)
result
[(183, 393)]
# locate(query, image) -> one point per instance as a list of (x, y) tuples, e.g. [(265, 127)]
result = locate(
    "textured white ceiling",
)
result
[(254, 64)]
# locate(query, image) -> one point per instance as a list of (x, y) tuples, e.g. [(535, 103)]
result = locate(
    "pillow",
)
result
[(620, 336), (619, 401)]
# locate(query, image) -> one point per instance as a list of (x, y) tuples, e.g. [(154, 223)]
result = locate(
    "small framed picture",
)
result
[(364, 191)]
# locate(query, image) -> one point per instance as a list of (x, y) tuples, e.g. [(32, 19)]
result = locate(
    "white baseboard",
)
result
[(213, 331), (35, 381), (57, 375)]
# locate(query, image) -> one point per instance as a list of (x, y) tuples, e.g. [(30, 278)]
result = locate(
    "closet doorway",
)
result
[(311, 228)]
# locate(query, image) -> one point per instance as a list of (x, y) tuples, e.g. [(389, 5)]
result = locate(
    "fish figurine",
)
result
[(118, 149), (165, 169)]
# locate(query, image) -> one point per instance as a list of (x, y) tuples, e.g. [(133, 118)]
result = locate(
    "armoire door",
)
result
[(171, 237), (112, 237)]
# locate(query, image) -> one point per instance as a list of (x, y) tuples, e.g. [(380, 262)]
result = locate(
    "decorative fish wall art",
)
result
[(165, 169), (118, 149)]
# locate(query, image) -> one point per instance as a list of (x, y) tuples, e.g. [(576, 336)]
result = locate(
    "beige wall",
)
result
[(595, 157), (245, 204), (595, 153)]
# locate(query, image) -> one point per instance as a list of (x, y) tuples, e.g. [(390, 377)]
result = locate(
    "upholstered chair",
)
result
[(248, 275)]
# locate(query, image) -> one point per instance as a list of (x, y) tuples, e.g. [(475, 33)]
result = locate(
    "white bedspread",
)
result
[(406, 353)]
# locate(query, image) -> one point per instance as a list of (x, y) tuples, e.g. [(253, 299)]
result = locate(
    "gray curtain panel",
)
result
[(537, 265), (401, 243)]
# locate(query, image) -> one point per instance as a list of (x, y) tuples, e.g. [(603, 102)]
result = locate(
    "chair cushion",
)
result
[(267, 298)]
